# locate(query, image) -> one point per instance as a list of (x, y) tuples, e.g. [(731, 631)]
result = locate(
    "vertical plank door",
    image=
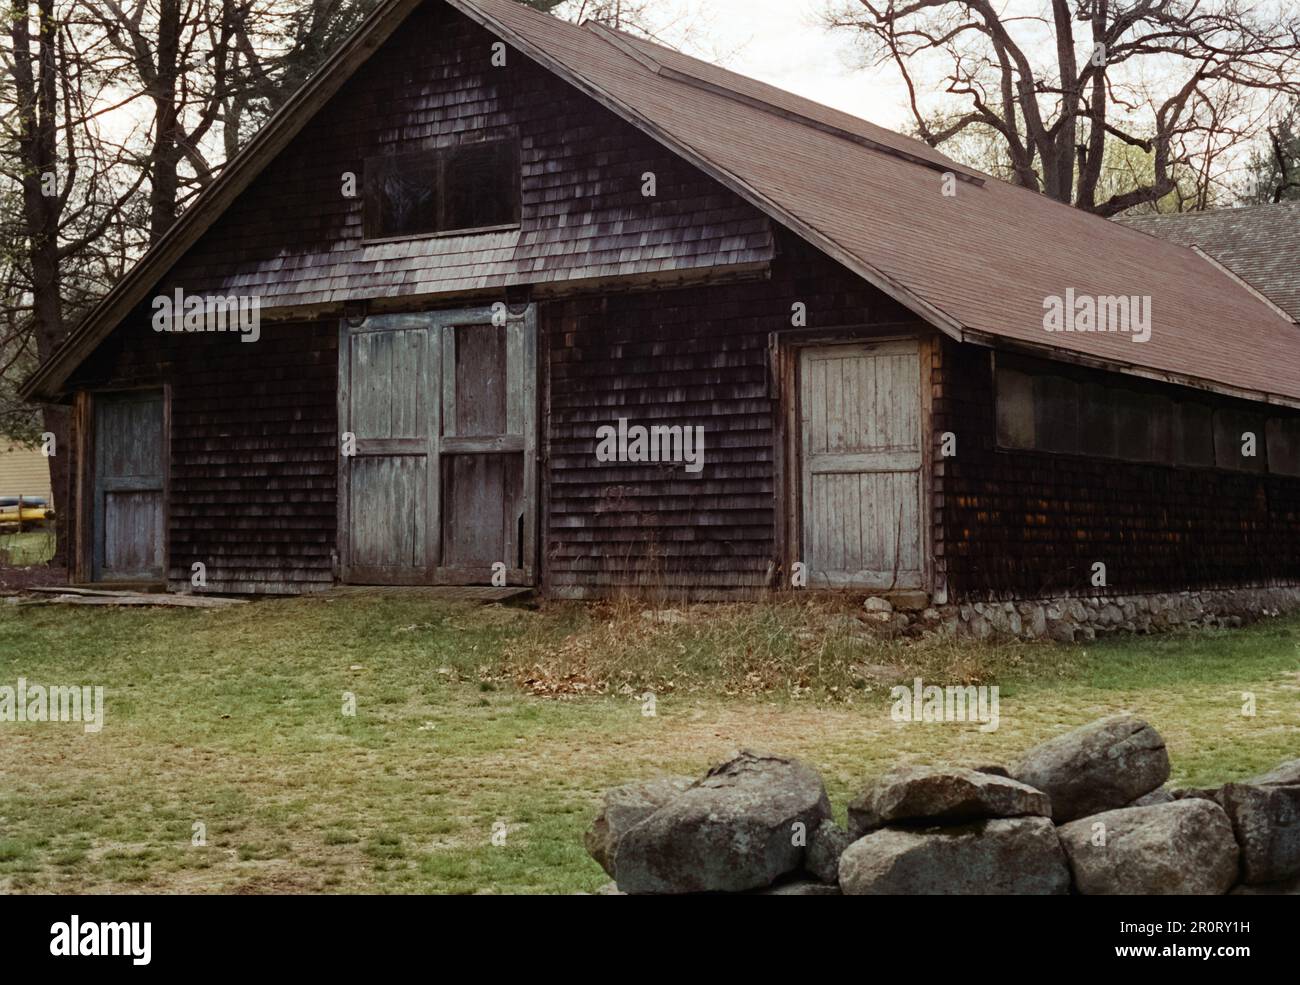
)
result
[(487, 450), (388, 403), (130, 472), (861, 460), (442, 486)]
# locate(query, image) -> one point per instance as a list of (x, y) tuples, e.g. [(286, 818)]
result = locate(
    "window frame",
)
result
[(1177, 399), (441, 158)]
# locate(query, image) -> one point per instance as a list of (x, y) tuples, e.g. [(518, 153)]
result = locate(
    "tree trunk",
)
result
[(164, 161), (37, 95)]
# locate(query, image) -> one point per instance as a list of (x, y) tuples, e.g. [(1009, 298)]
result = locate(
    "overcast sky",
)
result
[(785, 43), (781, 42)]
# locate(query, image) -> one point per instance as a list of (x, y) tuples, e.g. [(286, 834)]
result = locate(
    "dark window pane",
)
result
[(467, 187), (1160, 425), (1097, 420), (1284, 445), (403, 195), (1194, 435), (1015, 409), (1056, 414), (481, 186), (1133, 429), (1235, 433)]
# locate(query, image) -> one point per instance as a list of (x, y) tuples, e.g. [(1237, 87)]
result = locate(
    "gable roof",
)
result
[(1258, 243), (978, 265)]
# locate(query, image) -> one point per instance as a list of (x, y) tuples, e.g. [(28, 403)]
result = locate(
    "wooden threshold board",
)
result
[(481, 594)]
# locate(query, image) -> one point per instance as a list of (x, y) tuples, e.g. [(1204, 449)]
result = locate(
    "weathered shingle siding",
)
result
[(1028, 524), (695, 356), (254, 439), (254, 426), (254, 449), (293, 239)]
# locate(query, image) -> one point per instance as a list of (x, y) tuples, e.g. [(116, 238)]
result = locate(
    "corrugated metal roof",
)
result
[(979, 264)]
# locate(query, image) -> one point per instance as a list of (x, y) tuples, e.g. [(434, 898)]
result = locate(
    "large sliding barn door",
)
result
[(442, 485), (129, 475), (861, 459)]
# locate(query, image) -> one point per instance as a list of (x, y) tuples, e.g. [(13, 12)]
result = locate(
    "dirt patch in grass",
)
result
[(14, 581)]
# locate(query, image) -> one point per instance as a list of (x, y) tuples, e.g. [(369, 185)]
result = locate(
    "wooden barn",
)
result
[(497, 294)]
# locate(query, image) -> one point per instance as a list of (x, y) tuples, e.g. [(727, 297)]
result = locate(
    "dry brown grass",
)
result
[(784, 646)]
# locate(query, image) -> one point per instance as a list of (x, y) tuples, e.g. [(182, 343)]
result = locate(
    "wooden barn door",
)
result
[(861, 460), (442, 485), (388, 490), (129, 478), (487, 451)]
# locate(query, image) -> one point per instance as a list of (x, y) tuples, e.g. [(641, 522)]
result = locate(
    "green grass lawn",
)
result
[(26, 548), (472, 718)]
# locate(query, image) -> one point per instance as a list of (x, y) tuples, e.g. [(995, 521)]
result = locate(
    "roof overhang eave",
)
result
[(1057, 354)]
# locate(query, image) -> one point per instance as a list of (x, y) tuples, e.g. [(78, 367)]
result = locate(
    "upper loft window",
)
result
[(452, 189)]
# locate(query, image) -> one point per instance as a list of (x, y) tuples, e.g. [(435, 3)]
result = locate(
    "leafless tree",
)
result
[(1178, 79), (66, 185), (177, 55)]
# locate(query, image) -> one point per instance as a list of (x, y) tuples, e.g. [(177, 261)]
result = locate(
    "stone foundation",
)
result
[(1083, 618)]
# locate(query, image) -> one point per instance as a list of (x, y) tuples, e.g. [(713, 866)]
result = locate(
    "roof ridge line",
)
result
[(649, 62), (619, 41), (1223, 268)]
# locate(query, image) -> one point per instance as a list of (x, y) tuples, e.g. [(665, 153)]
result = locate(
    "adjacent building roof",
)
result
[(1259, 243), (976, 257)]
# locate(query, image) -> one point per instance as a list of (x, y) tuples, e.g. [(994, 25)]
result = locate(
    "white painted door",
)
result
[(861, 458)]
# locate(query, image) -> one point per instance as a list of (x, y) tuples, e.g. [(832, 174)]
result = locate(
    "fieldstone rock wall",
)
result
[(1184, 848), (624, 807), (728, 832), (1078, 619), (1110, 763), (943, 795), (1266, 821), (1000, 857), (1086, 812)]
